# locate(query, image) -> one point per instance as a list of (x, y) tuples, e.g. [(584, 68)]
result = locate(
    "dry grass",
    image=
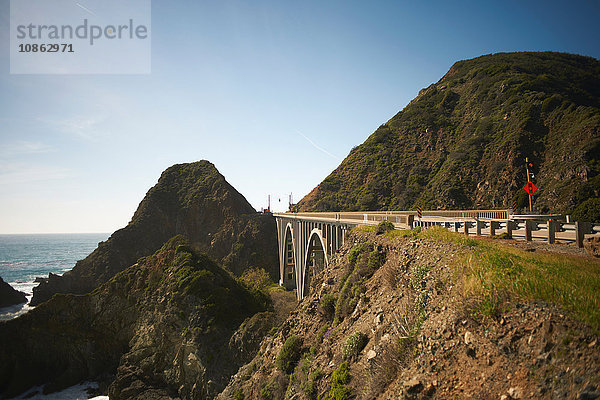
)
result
[(492, 274), (572, 282)]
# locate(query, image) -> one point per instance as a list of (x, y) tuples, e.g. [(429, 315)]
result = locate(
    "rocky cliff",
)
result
[(10, 296), (159, 329), (433, 315), (193, 200), (462, 142)]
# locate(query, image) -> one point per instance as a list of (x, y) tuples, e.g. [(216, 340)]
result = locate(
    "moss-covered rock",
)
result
[(193, 200), (162, 327)]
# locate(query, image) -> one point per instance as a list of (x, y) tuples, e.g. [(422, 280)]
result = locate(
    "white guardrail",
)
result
[(517, 227), (550, 228)]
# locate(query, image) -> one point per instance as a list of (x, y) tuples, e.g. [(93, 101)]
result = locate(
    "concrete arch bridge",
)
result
[(307, 241)]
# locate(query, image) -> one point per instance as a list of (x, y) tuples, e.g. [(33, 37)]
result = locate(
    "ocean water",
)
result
[(77, 392), (25, 257)]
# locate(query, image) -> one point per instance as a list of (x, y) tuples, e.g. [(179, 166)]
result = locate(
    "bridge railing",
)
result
[(360, 217), (527, 229), (401, 217), (489, 214), (479, 222), (382, 215)]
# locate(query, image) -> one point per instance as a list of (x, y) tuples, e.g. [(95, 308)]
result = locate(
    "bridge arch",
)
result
[(305, 246), (316, 259), (290, 269)]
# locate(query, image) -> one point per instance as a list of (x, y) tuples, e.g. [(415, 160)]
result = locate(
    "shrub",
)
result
[(359, 249), (412, 233), (310, 387), (339, 380), (364, 260), (385, 226), (354, 345), (328, 306), (417, 276), (267, 389), (257, 279), (289, 354), (239, 394), (376, 260), (322, 332)]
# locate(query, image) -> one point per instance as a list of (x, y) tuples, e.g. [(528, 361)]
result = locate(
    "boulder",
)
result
[(10, 296)]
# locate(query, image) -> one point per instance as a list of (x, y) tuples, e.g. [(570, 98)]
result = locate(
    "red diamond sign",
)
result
[(530, 187)]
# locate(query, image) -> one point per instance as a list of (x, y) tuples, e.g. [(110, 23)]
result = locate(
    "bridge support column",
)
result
[(551, 231), (478, 226), (330, 239), (581, 228), (509, 229), (528, 229), (493, 226)]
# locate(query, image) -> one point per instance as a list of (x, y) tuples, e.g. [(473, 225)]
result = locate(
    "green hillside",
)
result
[(462, 142)]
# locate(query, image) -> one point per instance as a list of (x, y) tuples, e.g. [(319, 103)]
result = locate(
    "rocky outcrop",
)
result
[(10, 296), (193, 200), (159, 329)]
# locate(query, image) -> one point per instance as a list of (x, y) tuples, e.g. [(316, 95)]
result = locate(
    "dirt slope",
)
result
[(395, 317)]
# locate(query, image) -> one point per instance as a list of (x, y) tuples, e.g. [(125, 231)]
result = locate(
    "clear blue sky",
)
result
[(274, 93)]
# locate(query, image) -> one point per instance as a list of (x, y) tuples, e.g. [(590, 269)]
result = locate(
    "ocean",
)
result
[(25, 257)]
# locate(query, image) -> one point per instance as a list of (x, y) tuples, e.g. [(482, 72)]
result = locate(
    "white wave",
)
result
[(77, 392), (25, 287), (11, 312)]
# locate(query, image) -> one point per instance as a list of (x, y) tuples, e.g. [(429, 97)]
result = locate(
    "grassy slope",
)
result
[(495, 274)]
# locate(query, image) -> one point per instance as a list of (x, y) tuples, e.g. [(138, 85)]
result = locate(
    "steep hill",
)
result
[(193, 200), (435, 315), (462, 142), (159, 329)]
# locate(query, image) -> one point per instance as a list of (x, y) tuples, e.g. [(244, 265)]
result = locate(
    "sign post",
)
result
[(529, 187)]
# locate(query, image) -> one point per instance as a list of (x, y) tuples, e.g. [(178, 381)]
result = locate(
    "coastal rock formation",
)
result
[(462, 142), (434, 315), (193, 200), (10, 296), (159, 329)]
